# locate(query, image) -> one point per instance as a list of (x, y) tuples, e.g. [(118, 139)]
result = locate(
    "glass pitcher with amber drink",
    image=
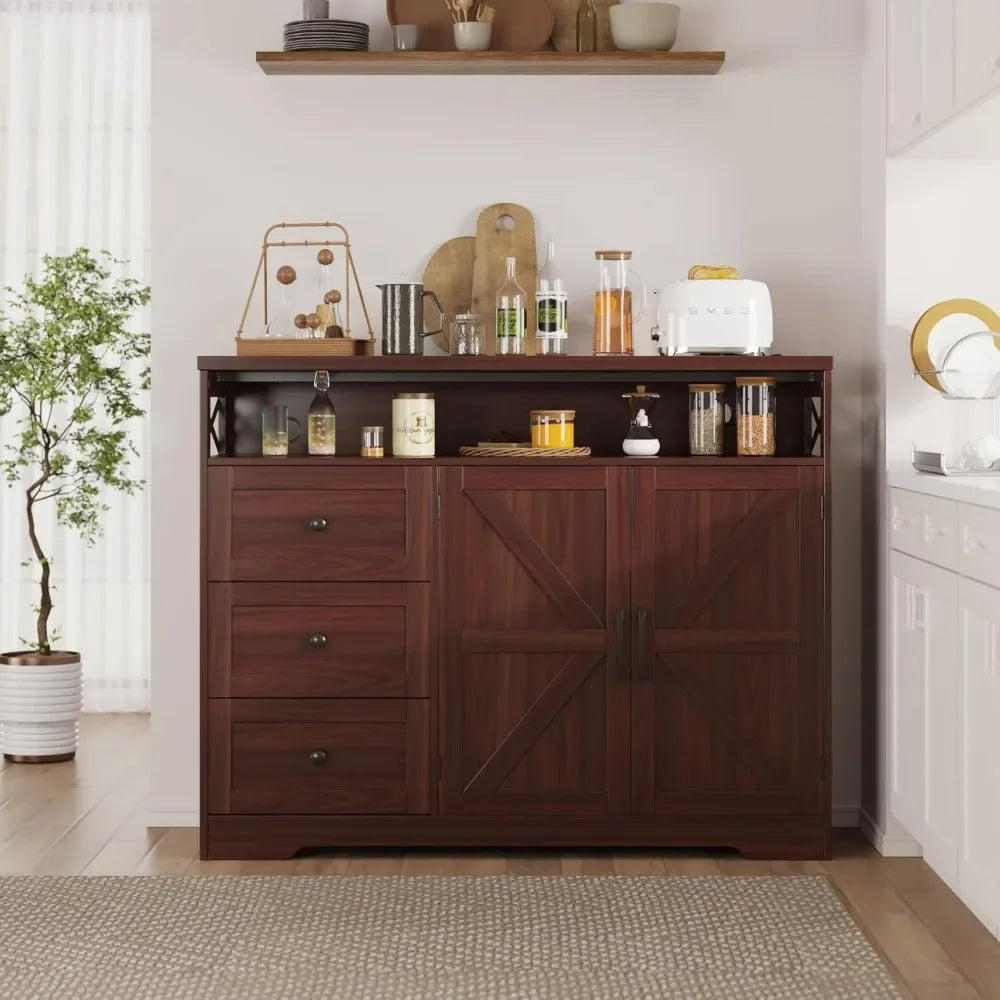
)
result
[(613, 315)]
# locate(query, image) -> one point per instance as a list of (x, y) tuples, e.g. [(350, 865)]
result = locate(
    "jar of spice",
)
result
[(468, 334), (755, 415), (413, 425), (706, 417), (552, 428)]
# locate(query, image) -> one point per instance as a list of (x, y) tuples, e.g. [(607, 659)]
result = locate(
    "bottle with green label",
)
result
[(551, 312), (512, 314)]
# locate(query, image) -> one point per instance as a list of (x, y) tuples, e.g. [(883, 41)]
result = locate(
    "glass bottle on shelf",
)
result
[(321, 426), (512, 313), (613, 315), (586, 26), (282, 323), (551, 310)]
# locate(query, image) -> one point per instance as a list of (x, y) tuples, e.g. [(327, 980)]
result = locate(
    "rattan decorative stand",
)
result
[(307, 344)]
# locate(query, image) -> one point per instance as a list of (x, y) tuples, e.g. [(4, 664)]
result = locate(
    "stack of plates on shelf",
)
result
[(344, 36)]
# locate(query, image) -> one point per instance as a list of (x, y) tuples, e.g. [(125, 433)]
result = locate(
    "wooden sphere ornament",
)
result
[(325, 257), (332, 297), (286, 275), (312, 321), (300, 321)]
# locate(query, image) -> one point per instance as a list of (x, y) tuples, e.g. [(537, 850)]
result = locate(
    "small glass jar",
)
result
[(706, 418), (372, 442), (552, 428), (468, 334), (755, 415)]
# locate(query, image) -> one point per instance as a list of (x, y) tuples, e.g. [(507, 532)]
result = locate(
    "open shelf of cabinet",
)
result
[(490, 63)]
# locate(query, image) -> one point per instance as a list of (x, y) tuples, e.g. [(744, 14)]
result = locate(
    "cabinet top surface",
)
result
[(980, 491), (486, 366)]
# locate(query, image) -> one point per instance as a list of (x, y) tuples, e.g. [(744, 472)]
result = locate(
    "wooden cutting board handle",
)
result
[(504, 230)]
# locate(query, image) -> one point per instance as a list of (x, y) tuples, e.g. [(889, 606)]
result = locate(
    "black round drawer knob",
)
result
[(317, 524), (317, 641), (318, 757)]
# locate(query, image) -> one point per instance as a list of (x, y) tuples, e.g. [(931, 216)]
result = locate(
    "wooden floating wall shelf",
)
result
[(490, 63)]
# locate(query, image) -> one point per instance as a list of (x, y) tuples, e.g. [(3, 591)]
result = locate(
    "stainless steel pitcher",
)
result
[(403, 317)]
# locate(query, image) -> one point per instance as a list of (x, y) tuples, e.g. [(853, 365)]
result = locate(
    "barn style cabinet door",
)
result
[(728, 571), (534, 620)]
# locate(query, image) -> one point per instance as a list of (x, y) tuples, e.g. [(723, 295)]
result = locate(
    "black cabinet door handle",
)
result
[(645, 672), (620, 649), (319, 757), (317, 640), (317, 524)]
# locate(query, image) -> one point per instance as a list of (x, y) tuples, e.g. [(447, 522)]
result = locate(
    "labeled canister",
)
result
[(413, 425)]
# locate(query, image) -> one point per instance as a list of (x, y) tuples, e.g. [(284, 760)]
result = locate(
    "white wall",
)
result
[(760, 166), (942, 219)]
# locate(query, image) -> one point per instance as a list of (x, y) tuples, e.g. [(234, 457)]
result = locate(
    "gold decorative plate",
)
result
[(923, 364)]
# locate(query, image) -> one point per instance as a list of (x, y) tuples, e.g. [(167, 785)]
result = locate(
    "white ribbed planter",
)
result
[(40, 702)]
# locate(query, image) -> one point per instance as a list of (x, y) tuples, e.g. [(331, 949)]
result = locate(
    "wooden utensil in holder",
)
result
[(344, 346)]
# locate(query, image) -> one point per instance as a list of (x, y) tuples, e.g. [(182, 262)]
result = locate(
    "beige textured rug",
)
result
[(305, 937)]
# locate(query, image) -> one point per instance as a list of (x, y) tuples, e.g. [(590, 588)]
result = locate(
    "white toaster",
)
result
[(714, 316)]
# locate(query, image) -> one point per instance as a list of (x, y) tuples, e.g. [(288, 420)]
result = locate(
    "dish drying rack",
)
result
[(936, 462)]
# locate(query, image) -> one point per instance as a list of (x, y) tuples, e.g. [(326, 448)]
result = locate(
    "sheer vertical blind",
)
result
[(74, 171)]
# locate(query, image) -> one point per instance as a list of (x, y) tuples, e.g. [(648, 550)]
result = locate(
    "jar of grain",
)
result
[(755, 415), (706, 416)]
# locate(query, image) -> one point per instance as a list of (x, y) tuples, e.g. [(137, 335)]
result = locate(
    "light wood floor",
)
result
[(87, 818)]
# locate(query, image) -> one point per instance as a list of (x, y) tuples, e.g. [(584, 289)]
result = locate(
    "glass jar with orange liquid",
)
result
[(613, 316)]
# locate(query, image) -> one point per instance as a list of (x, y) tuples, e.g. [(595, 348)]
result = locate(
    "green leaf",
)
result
[(74, 374)]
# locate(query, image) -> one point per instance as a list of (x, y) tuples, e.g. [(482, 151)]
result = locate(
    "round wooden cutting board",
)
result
[(449, 275), (518, 26)]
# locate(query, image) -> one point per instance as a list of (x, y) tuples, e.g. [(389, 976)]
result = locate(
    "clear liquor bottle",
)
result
[(551, 308), (321, 427), (512, 314)]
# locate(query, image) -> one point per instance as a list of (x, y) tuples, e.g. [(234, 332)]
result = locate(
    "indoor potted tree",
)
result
[(71, 378)]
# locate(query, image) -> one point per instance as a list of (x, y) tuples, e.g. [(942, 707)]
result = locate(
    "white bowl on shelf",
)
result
[(644, 26)]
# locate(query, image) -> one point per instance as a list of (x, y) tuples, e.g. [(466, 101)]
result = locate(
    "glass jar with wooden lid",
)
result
[(755, 402), (552, 428), (706, 418)]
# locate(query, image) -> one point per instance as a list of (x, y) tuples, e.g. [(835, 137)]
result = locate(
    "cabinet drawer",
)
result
[(925, 527), (356, 756), (979, 544), (319, 640), (323, 523)]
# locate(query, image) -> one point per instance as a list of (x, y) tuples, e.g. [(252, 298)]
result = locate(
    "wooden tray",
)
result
[(519, 25), (333, 347), (520, 451)]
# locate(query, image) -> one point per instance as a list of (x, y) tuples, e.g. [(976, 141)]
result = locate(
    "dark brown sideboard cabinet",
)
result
[(514, 652)]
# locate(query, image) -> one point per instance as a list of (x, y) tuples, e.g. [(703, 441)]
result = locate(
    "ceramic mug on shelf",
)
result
[(315, 10), (403, 317), (472, 36), (405, 37)]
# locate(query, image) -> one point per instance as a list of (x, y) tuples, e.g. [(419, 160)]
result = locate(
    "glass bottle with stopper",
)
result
[(641, 440), (321, 427)]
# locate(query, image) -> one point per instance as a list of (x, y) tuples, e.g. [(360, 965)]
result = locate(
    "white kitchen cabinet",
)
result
[(924, 679), (979, 764), (921, 68), (977, 50)]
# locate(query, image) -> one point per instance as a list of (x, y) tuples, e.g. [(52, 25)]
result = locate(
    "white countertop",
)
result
[(984, 491)]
